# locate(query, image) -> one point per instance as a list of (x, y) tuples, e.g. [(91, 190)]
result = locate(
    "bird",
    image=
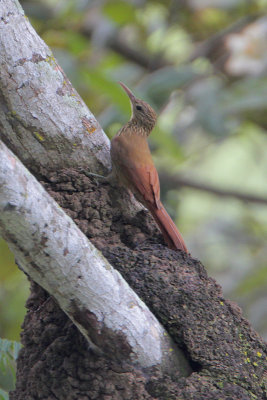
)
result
[(133, 167)]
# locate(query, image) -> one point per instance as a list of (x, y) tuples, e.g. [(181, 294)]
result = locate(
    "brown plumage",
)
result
[(133, 165)]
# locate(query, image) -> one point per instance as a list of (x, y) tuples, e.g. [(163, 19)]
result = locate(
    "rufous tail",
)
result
[(172, 236)]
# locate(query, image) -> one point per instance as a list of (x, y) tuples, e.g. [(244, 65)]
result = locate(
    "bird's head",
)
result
[(143, 115)]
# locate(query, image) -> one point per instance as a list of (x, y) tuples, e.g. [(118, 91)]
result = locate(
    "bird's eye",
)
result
[(139, 108)]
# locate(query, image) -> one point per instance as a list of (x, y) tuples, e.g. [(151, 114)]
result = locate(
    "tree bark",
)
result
[(53, 126), (46, 124), (51, 249)]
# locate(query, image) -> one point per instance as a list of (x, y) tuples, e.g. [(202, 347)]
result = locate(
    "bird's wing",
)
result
[(134, 165), (145, 183)]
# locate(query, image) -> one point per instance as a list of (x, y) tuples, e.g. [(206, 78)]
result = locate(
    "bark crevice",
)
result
[(227, 355)]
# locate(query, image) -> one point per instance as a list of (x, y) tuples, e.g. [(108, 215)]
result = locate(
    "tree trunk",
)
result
[(71, 349)]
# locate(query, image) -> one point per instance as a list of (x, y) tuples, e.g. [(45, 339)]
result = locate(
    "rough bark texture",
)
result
[(51, 249), (46, 124), (38, 103), (227, 355)]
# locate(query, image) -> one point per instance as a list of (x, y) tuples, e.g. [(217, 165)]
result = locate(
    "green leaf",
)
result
[(3, 395), (159, 85), (254, 281), (245, 95), (99, 80), (8, 354), (119, 12)]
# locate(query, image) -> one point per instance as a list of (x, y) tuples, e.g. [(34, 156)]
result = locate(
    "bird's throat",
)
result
[(134, 127)]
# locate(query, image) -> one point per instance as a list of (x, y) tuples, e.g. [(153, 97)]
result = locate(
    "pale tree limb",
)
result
[(45, 122), (176, 287), (51, 249), (52, 125)]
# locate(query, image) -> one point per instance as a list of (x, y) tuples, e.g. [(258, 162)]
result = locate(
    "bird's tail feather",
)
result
[(171, 234)]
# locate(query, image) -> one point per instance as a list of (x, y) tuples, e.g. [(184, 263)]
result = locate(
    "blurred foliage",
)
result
[(202, 65), (8, 355), (3, 395), (13, 293)]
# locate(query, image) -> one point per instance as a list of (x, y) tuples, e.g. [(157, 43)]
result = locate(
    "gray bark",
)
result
[(47, 125), (52, 250), (44, 121)]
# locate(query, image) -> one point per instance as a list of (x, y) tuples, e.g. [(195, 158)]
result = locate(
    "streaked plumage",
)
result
[(133, 165)]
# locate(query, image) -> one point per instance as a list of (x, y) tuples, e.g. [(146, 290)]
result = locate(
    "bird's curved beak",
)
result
[(128, 91)]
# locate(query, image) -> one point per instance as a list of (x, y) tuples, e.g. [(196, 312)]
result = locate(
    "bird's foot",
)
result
[(95, 175), (89, 174)]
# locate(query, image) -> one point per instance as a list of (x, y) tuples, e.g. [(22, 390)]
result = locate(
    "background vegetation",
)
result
[(202, 64)]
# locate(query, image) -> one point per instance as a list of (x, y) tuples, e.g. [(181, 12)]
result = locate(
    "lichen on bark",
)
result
[(227, 356)]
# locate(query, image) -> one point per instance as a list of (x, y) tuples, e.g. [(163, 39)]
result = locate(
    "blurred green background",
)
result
[(202, 64)]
